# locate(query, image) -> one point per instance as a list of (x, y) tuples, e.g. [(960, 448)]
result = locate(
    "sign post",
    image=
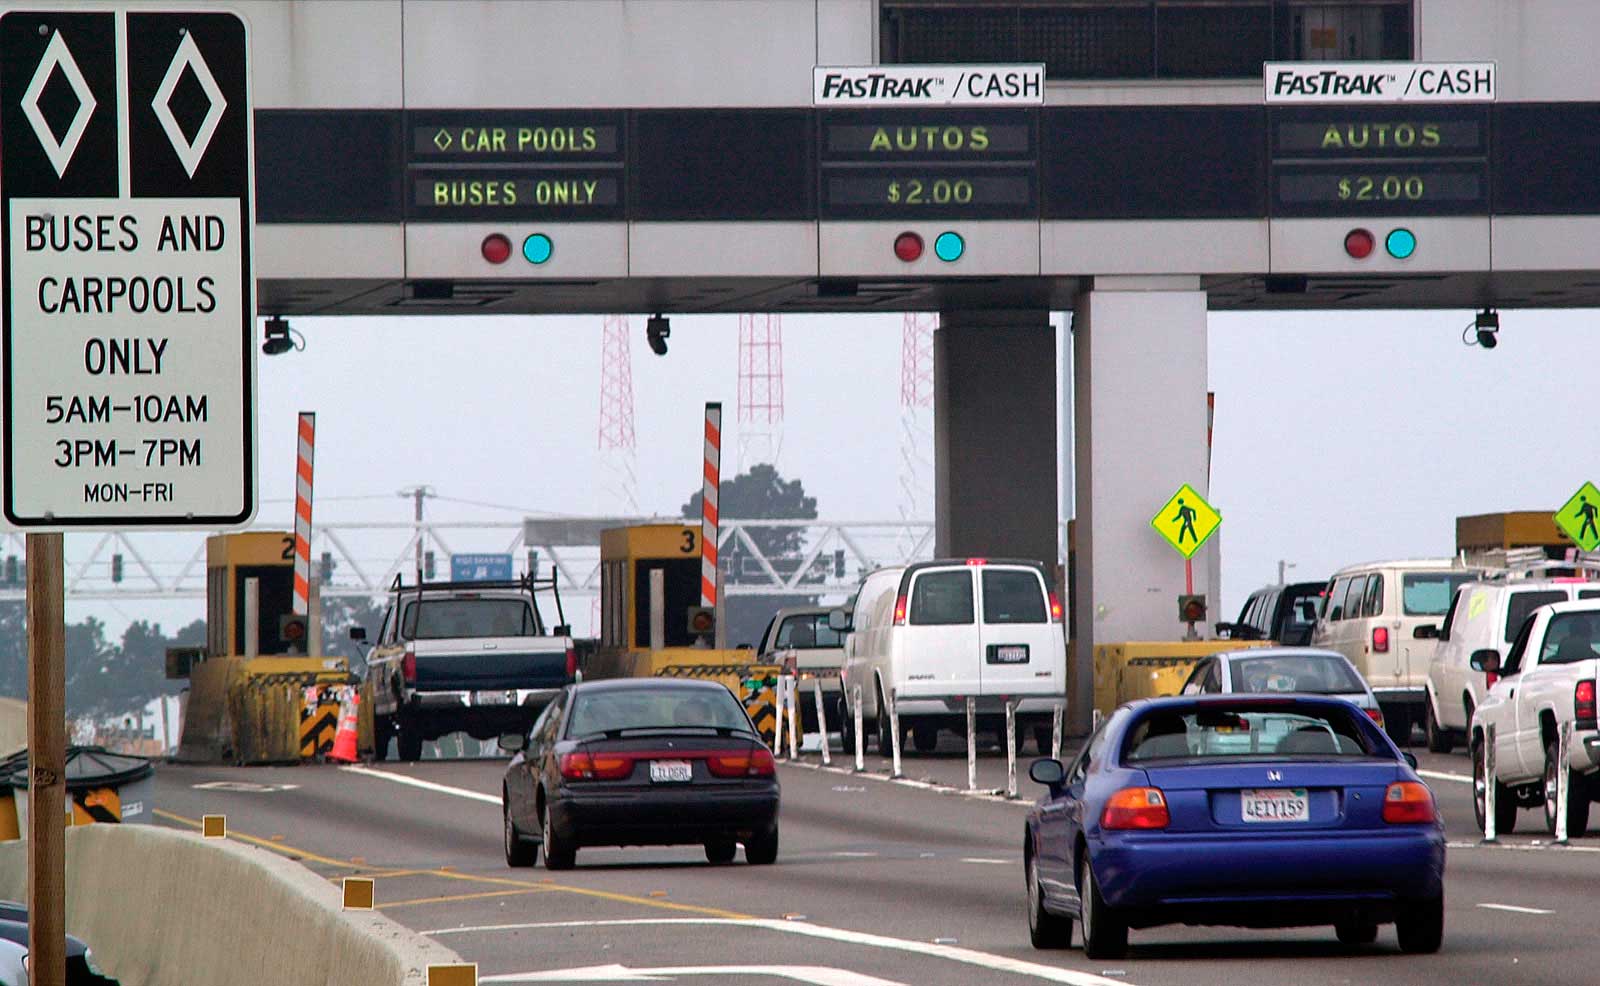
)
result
[(127, 358)]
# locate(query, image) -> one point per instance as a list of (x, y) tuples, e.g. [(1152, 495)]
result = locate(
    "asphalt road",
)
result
[(877, 882)]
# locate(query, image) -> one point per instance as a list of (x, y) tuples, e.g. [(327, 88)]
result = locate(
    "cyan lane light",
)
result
[(949, 246), (536, 249), (1401, 243)]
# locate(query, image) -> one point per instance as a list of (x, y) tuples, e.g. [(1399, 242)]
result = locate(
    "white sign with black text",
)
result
[(1379, 82), (928, 85)]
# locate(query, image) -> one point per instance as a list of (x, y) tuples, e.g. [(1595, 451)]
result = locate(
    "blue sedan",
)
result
[(1245, 810)]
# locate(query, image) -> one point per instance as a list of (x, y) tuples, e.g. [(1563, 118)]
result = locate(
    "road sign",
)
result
[(480, 568), (1579, 519), (1186, 520), (129, 363)]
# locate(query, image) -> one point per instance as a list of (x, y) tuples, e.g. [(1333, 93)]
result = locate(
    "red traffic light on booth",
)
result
[(1192, 609), (293, 630), (702, 620)]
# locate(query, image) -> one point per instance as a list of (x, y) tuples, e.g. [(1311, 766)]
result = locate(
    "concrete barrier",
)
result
[(162, 907), (13, 726)]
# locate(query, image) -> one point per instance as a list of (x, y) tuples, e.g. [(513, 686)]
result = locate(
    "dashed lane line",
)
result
[(1439, 775), (1514, 909), (459, 792)]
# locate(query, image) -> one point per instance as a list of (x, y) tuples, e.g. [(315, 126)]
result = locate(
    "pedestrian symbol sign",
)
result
[(1187, 520), (1580, 518)]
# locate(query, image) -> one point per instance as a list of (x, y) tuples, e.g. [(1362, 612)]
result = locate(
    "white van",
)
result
[(1372, 614), (1483, 616), (932, 633)]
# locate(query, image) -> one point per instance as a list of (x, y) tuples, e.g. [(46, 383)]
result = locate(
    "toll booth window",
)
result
[(1428, 593), (682, 590), (942, 599), (1012, 597), (808, 632), (435, 619)]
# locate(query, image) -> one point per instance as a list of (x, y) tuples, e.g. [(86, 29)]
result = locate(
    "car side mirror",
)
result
[(839, 621), (513, 742), (358, 634), (563, 630), (1428, 631), (1409, 758), (1048, 772), (1224, 630), (1485, 660)]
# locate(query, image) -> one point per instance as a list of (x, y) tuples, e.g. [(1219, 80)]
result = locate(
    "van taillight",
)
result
[(900, 611), (1055, 609), (408, 666), (572, 661), (1583, 706), (1380, 640)]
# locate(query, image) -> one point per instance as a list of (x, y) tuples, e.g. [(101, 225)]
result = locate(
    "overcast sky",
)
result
[(1340, 437)]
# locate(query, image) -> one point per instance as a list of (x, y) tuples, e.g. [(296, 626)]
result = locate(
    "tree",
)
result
[(339, 614)]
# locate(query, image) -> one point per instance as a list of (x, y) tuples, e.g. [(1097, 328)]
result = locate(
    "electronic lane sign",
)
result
[(128, 350)]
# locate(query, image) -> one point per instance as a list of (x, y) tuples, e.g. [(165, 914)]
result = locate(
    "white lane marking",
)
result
[(246, 787), (953, 953), (1440, 775), (856, 855), (992, 862), (458, 792), (1522, 847), (814, 974), (982, 794), (1514, 909)]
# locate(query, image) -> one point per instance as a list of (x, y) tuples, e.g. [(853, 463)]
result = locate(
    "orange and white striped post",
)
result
[(302, 514), (708, 505)]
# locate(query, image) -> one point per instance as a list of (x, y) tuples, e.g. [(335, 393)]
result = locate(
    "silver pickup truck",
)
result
[(472, 657)]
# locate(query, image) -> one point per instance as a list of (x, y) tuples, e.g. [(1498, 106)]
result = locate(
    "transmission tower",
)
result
[(616, 441), (760, 389), (916, 424)]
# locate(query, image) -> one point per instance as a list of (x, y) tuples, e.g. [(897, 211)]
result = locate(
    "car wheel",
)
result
[(519, 852), (1356, 932), (762, 850), (1104, 937), (382, 730), (1420, 926), (558, 854), (847, 727), (925, 737), (410, 744), (1505, 803), (720, 851), (1577, 797), (1045, 930), (1439, 740)]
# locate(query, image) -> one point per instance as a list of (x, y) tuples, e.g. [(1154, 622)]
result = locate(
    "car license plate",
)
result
[(1011, 654), (1275, 805), (671, 771), (491, 698)]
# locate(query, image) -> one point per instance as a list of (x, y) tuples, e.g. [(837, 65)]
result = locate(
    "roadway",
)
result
[(877, 882)]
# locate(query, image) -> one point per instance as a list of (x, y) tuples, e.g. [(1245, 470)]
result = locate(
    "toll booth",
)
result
[(276, 701), (628, 557), (1147, 669)]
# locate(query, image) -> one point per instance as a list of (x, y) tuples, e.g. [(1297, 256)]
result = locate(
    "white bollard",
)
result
[(822, 719), (777, 725), (1488, 784), (794, 718), (1563, 781), (1011, 748), (972, 744), (894, 735), (1055, 730), (855, 711)]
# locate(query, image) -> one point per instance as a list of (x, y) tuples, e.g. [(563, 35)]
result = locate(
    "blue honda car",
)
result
[(1246, 810)]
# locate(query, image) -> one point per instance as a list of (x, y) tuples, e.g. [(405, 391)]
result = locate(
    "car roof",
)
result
[(1276, 698), (1250, 653), (1425, 564), (802, 611), (627, 684), (1551, 582), (1300, 587)]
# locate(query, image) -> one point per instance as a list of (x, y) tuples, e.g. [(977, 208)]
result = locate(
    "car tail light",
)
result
[(900, 611), (1583, 706), (1055, 609), (585, 766), (408, 666), (1136, 808), (1408, 802), (754, 762), (577, 766), (572, 661), (1376, 715), (1380, 640)]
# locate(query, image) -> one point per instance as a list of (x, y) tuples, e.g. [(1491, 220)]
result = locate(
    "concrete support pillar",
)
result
[(1139, 399), (994, 406)]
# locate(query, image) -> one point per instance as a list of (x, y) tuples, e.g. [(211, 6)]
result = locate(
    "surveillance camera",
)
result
[(656, 331), (277, 336), (1487, 325)]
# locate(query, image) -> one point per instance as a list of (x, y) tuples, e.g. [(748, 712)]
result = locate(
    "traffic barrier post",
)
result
[(1488, 784), (1563, 782), (778, 697), (894, 735), (794, 718), (855, 710), (822, 720), (1055, 730), (972, 743), (1011, 748)]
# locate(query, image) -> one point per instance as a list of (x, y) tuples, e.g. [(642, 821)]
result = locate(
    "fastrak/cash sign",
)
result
[(1379, 82), (928, 85)]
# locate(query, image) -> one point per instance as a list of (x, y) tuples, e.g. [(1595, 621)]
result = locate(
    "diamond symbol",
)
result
[(188, 57), (441, 140), (58, 56)]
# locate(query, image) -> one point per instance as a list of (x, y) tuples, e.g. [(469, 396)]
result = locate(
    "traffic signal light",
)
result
[(116, 568), (838, 563), (12, 574), (1192, 609), (326, 573), (427, 564), (702, 621), (293, 630)]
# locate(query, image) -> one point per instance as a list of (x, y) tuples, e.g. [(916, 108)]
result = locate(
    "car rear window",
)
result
[(436, 619), (1307, 673), (807, 632), (1227, 732), (1428, 593), (942, 598), (1013, 596), (1570, 638), (654, 708), (1523, 603)]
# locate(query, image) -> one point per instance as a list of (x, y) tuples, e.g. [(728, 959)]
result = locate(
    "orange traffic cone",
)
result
[(344, 738)]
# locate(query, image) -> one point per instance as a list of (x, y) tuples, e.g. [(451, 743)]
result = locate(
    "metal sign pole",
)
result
[(47, 758), (1488, 785)]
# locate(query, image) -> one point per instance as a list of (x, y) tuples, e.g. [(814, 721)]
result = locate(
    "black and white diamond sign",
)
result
[(126, 186)]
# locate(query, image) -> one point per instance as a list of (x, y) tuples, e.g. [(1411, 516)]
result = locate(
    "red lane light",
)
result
[(1135, 808), (1359, 243), (1407, 802), (908, 246), (1380, 640), (496, 248), (900, 611), (1583, 704)]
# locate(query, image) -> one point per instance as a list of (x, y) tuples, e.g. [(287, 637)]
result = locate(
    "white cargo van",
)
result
[(932, 633)]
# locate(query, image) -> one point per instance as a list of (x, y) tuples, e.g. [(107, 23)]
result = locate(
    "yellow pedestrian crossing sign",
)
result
[(1580, 518), (1187, 520)]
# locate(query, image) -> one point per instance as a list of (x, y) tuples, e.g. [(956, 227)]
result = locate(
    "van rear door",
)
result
[(940, 650), (1021, 653)]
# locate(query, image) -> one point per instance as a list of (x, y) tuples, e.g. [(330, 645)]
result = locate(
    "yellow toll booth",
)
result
[(275, 701), (1147, 669), (628, 556)]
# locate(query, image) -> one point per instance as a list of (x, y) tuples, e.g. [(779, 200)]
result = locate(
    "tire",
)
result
[(1356, 932), (1397, 723), (1045, 930), (382, 732), (925, 737), (1577, 797), (519, 852), (1505, 804), (721, 851), (558, 855), (410, 744), (1421, 929), (1042, 736), (1104, 936), (884, 726), (1439, 740), (762, 850), (847, 728)]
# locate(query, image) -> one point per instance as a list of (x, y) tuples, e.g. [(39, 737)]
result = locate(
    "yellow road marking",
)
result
[(459, 897), (277, 847)]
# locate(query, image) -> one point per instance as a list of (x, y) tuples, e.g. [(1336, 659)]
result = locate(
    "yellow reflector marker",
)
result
[(465, 974), (358, 893), (214, 826)]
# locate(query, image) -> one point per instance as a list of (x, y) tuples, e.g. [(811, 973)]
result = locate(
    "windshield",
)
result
[(438, 619), (1314, 673), (1570, 638), (655, 707), (1429, 593), (1220, 732), (807, 632)]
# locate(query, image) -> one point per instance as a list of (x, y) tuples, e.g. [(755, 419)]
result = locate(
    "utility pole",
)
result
[(1283, 568), (418, 493)]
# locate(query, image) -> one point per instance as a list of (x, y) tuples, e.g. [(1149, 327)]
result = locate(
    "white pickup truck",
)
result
[(1546, 679)]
